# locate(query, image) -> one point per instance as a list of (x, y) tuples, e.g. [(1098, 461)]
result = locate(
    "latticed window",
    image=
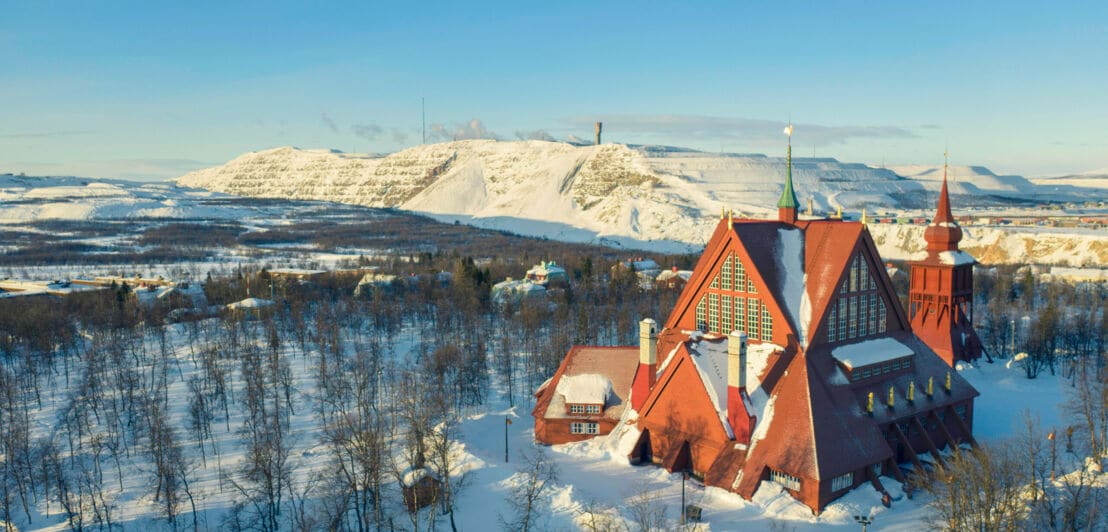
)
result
[(842, 482), (702, 314), (852, 330), (854, 274), (752, 318), (842, 318), (740, 275), (713, 312), (592, 409), (715, 281), (863, 316), (767, 324), (725, 312), (832, 324), (740, 312), (725, 273), (863, 274), (750, 286), (881, 315), (873, 313)]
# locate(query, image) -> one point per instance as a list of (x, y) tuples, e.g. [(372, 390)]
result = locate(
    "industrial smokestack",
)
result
[(599, 127)]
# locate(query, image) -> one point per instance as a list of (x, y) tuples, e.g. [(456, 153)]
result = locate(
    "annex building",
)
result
[(787, 358)]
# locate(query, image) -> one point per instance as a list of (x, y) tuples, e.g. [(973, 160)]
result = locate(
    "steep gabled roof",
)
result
[(618, 364)]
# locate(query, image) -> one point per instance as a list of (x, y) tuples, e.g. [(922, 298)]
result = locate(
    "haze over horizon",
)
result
[(153, 91)]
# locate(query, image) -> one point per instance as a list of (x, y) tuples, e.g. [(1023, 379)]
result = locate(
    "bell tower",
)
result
[(940, 303)]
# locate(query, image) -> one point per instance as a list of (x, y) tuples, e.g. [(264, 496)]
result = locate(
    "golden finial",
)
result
[(892, 396), (864, 217), (730, 218)]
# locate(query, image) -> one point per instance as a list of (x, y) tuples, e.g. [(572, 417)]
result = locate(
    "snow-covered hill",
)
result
[(27, 199), (643, 196)]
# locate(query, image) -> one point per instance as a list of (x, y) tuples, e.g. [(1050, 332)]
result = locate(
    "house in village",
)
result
[(672, 278), (789, 359), (547, 273), (516, 290)]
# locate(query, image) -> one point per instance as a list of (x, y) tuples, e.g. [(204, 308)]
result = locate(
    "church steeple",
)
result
[(786, 206), (944, 233)]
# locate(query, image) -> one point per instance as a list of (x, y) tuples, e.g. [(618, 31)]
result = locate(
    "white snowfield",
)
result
[(659, 198)]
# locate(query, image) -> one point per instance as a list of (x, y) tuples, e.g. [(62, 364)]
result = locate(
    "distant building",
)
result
[(672, 278), (546, 273), (516, 290)]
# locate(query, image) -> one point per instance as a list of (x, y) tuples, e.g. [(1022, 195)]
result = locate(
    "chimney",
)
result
[(741, 421), (648, 363), (648, 336), (599, 127)]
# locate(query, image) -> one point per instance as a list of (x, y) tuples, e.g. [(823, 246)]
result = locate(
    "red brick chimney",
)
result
[(741, 421)]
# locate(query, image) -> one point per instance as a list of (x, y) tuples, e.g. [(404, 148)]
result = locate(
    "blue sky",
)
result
[(154, 89)]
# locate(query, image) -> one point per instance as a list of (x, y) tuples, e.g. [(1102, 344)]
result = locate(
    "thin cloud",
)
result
[(750, 130), (474, 129), (538, 134), (372, 131), (367, 131), (330, 123), (43, 134)]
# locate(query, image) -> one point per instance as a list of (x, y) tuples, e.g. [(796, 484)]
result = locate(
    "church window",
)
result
[(873, 313), (832, 326), (740, 275), (715, 281), (725, 312), (740, 313), (854, 275), (752, 318), (852, 329), (725, 273), (702, 315), (863, 316), (842, 482), (881, 315), (842, 318), (750, 286), (785, 479), (863, 274), (767, 324), (713, 312)]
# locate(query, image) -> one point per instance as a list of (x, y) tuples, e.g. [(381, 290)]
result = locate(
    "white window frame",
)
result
[(592, 409), (788, 481), (842, 482)]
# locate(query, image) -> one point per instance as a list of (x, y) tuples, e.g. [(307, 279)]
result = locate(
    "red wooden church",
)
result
[(788, 358)]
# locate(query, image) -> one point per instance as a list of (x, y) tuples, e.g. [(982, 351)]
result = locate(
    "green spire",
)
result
[(788, 196)]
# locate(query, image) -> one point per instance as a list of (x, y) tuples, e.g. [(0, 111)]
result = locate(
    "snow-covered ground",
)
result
[(592, 475)]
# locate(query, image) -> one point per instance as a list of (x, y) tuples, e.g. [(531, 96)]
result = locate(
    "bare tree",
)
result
[(532, 485)]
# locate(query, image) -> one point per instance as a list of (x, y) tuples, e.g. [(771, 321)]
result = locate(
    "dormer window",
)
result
[(585, 409)]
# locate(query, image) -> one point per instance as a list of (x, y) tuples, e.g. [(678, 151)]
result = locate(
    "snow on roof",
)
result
[(296, 271), (869, 352), (250, 302), (546, 268), (757, 356), (793, 279), (587, 388), (669, 274), (710, 359), (956, 257)]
